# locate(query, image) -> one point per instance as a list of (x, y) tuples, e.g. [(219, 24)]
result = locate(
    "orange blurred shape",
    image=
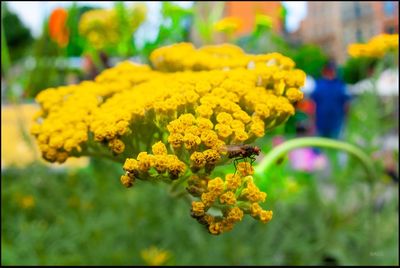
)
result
[(58, 26), (307, 106)]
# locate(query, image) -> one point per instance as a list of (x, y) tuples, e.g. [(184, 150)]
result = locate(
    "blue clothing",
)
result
[(330, 98)]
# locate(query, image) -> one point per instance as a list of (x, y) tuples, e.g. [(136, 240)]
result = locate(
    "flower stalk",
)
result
[(272, 156)]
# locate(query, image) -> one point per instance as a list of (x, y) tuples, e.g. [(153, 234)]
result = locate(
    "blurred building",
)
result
[(387, 13), (247, 11), (334, 25)]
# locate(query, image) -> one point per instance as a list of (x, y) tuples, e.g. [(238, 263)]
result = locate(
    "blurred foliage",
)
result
[(311, 59), (294, 122), (204, 16), (283, 16), (48, 67), (18, 36), (357, 69), (129, 21), (44, 66), (263, 40), (126, 46), (86, 217), (111, 31), (368, 127), (76, 42), (175, 27)]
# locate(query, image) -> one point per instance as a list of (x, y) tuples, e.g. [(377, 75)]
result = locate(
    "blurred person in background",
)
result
[(331, 101)]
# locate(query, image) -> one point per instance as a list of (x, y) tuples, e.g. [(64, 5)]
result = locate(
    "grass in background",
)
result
[(86, 217)]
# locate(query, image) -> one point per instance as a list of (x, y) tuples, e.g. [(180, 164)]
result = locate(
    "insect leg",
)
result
[(252, 158), (245, 160), (235, 162)]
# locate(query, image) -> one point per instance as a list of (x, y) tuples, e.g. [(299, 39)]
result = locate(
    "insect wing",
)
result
[(234, 148), (234, 151)]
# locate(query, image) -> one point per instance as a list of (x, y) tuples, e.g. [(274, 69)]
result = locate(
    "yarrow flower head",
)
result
[(171, 122)]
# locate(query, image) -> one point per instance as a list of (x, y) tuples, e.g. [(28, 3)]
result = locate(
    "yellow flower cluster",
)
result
[(160, 161), (102, 27), (228, 25), (175, 127), (68, 116), (184, 56), (235, 196), (376, 47)]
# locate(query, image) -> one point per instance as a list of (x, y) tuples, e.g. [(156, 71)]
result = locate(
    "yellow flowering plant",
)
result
[(174, 121), (376, 47), (112, 29), (370, 59)]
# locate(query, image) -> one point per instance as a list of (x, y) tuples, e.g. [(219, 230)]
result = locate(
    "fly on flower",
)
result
[(242, 152)]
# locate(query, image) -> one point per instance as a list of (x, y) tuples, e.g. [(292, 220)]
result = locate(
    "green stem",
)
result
[(175, 185), (272, 156), (103, 155)]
